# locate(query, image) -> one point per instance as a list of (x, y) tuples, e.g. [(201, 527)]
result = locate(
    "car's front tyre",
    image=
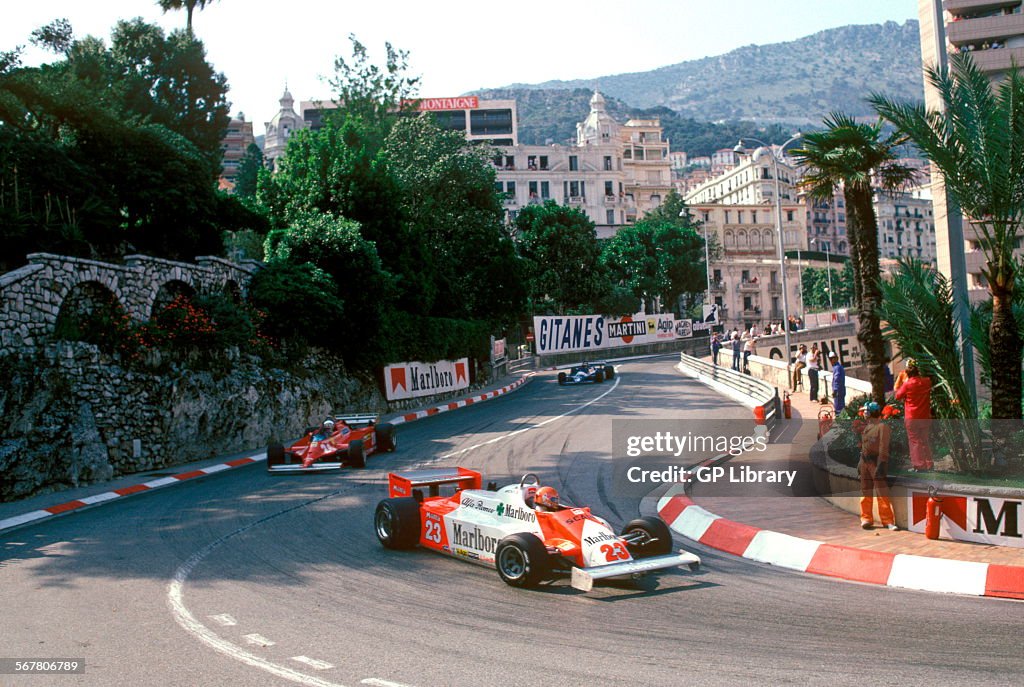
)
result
[(657, 540), (356, 455), (522, 560)]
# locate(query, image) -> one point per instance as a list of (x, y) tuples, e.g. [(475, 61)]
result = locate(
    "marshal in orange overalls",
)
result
[(874, 455)]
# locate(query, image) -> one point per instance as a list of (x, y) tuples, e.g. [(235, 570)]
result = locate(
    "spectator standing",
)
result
[(801, 363), (749, 349), (873, 468), (736, 347), (916, 394), (838, 382), (813, 367), (716, 347)]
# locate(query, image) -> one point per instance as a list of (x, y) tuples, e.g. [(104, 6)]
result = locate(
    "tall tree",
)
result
[(977, 142), (563, 258), (188, 5), (853, 155), (249, 171)]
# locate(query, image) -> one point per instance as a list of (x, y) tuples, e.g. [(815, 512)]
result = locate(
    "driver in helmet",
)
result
[(325, 430), (546, 499)]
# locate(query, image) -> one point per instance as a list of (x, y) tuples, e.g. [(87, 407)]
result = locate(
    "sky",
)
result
[(456, 46)]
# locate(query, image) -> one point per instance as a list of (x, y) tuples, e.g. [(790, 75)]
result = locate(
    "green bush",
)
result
[(300, 302)]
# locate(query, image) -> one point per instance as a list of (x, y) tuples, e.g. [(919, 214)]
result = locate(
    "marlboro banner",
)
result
[(411, 380)]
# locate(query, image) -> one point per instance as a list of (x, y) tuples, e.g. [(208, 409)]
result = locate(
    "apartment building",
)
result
[(749, 182), (993, 32), (236, 140), (613, 172), (906, 224), (746, 280)]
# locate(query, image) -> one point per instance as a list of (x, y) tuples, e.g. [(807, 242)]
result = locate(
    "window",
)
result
[(574, 163), (739, 216), (545, 190), (655, 200), (610, 217), (717, 276), (531, 162), (510, 162), (607, 163), (753, 216), (727, 213), (574, 188), (533, 189), (543, 161), (706, 215), (510, 188), (490, 122), (498, 186), (609, 189), (789, 215)]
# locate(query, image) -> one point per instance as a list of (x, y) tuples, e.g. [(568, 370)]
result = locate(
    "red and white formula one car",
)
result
[(503, 529), (348, 441)]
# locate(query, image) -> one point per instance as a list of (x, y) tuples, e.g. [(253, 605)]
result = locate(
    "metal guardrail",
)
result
[(764, 395)]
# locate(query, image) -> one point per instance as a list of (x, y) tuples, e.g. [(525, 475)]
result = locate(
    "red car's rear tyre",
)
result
[(275, 455), (397, 523), (561, 378)]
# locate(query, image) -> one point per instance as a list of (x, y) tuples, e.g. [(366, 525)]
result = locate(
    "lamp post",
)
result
[(828, 270), (779, 234), (707, 258)]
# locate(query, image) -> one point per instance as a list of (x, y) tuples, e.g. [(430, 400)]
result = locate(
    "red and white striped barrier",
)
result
[(70, 506), (845, 562)]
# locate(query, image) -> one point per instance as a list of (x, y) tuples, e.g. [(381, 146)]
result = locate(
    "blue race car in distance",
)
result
[(583, 373)]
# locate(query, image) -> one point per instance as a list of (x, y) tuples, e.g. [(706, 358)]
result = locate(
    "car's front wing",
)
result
[(319, 466), (583, 578)]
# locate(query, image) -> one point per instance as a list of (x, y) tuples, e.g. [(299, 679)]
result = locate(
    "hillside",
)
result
[(793, 84)]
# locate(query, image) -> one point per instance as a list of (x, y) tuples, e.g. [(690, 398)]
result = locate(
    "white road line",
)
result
[(258, 640), (313, 663), (223, 619), (527, 429), (377, 682)]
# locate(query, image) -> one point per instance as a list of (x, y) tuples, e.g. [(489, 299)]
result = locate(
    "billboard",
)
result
[(415, 379), (582, 333)]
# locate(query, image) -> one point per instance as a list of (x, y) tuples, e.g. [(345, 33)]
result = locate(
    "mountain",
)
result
[(793, 83)]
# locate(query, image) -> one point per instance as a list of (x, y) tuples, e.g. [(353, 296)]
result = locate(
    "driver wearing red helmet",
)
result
[(546, 499)]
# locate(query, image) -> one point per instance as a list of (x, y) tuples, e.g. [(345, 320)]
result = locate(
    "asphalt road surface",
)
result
[(243, 578)]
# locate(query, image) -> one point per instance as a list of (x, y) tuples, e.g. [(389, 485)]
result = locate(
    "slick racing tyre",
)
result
[(657, 540), (609, 372), (522, 560), (397, 523), (599, 377), (275, 455), (356, 457), (387, 438), (561, 378)]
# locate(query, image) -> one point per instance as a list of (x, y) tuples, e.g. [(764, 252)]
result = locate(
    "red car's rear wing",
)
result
[(402, 484)]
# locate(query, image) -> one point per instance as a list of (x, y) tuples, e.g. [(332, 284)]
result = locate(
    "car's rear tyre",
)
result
[(522, 560), (599, 376), (275, 455), (356, 456), (609, 372), (387, 437), (658, 541), (397, 523), (561, 378)]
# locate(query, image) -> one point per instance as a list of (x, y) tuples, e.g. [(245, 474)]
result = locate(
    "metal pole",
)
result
[(828, 271), (800, 278)]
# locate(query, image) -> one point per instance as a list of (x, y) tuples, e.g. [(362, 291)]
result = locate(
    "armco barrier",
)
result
[(754, 393)]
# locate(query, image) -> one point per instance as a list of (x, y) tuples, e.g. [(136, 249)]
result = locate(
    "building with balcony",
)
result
[(749, 182), (992, 31), (613, 172), (746, 279), (236, 140), (906, 224)]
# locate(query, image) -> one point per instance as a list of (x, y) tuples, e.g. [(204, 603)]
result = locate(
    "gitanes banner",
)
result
[(573, 333), (411, 380)]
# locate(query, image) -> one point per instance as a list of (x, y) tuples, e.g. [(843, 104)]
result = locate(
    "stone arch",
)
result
[(167, 292), (730, 239), (232, 290), (755, 238), (90, 310), (741, 238), (769, 237)]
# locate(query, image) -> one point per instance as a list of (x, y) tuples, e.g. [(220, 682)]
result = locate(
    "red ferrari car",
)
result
[(502, 528), (348, 442)]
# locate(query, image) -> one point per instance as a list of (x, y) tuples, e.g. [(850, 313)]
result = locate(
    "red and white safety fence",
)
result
[(818, 558)]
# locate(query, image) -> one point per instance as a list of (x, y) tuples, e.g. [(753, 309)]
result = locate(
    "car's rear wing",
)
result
[(403, 483), (361, 419)]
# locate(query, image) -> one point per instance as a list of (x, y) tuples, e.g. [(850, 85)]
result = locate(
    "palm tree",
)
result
[(977, 142), (853, 155), (188, 5)]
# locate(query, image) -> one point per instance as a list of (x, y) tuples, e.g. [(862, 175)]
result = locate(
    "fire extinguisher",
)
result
[(787, 406), (933, 514)]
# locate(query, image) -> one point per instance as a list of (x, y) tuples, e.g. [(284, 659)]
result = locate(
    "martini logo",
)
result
[(626, 329)]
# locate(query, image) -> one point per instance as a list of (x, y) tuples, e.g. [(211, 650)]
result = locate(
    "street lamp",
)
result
[(707, 258), (778, 232), (828, 270)]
